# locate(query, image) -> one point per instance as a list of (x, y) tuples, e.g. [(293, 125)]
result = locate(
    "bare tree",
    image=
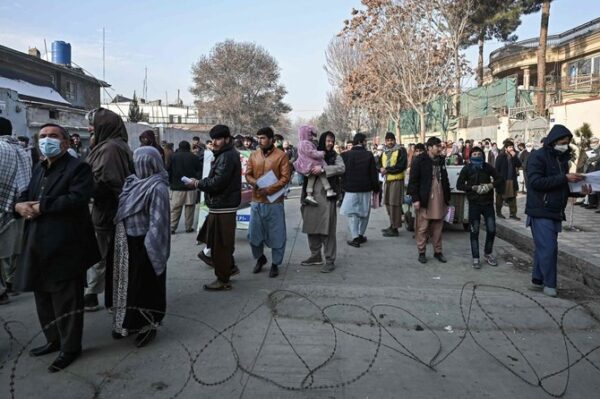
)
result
[(239, 82)]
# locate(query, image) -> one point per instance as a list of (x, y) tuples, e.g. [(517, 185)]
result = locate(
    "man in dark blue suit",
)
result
[(59, 244)]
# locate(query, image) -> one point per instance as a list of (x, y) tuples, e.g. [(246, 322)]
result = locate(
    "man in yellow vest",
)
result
[(393, 163)]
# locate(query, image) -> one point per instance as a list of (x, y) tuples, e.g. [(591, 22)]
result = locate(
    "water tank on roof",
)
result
[(61, 53)]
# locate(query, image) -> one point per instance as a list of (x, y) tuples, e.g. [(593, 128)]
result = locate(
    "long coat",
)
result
[(60, 243), (317, 219)]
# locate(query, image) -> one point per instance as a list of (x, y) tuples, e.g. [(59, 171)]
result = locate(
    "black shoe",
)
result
[(440, 257), (145, 337), (234, 271), (274, 272), (63, 360), (362, 239), (90, 303), (515, 217), (354, 243), (422, 258), (4, 299), (189, 230), (260, 262), (117, 335), (591, 206), (386, 229), (391, 233), (50, 347), (500, 216), (206, 259)]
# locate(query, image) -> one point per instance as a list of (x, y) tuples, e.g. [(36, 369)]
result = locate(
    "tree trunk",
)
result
[(422, 127), (480, 42), (541, 60), (398, 132), (457, 78)]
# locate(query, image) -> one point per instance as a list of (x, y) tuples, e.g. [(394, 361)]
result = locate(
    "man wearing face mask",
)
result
[(59, 244), (478, 180), (547, 195)]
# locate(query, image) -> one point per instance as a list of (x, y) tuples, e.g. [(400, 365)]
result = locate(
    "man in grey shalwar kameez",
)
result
[(359, 183), (320, 222)]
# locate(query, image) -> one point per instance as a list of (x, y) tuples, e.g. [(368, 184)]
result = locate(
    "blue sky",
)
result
[(168, 36)]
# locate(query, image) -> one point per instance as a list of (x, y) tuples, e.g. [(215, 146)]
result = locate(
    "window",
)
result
[(70, 91), (53, 114), (596, 64)]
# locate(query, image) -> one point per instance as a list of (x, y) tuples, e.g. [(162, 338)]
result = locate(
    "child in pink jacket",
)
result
[(309, 157)]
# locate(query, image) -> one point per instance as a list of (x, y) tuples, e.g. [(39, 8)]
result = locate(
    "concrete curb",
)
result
[(572, 266)]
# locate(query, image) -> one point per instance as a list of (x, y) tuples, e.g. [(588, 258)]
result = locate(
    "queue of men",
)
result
[(53, 245)]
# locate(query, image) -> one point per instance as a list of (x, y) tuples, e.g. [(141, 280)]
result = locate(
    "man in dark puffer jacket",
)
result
[(548, 191)]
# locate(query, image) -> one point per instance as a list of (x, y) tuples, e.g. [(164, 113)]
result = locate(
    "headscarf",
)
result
[(329, 154), (108, 125), (138, 193), (15, 173), (151, 137)]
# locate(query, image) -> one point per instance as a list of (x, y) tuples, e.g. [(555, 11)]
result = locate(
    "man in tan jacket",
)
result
[(267, 216)]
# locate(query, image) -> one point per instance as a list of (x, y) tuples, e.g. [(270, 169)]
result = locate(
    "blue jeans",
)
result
[(475, 213), (545, 258)]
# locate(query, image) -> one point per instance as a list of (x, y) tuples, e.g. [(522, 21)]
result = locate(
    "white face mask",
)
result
[(561, 147)]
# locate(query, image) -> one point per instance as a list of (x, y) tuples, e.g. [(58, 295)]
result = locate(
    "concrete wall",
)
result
[(170, 135), (12, 109), (575, 114)]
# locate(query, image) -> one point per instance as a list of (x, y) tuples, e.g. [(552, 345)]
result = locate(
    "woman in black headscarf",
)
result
[(319, 222), (148, 138)]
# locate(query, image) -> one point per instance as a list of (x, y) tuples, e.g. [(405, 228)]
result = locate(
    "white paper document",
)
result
[(268, 180), (592, 179)]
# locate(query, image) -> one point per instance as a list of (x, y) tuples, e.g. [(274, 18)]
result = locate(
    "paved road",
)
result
[(381, 326)]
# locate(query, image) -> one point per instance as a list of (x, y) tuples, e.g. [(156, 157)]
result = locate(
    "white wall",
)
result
[(573, 115)]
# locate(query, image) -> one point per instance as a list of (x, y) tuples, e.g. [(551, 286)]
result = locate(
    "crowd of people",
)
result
[(78, 222)]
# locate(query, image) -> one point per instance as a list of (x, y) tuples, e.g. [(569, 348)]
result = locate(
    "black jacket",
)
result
[(508, 169), (421, 176), (183, 163), (471, 176), (223, 186), (361, 171), (547, 185), (60, 244)]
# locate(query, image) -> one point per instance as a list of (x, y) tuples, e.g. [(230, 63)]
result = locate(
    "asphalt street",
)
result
[(381, 325)]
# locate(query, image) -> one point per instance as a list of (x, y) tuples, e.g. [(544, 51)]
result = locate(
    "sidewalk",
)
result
[(578, 247)]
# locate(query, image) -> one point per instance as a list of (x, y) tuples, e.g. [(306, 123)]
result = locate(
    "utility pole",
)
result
[(103, 59)]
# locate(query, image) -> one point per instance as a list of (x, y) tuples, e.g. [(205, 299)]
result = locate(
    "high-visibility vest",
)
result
[(394, 160)]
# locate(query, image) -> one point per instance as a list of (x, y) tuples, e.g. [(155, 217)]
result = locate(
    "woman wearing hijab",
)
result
[(319, 222), (142, 247), (148, 138)]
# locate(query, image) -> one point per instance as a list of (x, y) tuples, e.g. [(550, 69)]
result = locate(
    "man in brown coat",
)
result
[(267, 215), (111, 161)]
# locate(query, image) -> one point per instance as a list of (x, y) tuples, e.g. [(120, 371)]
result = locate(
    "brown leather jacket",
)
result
[(259, 164)]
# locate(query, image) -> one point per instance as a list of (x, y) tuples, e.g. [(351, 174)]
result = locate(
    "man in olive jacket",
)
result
[(59, 244)]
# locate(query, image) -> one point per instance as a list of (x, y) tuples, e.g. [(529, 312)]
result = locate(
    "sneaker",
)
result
[(391, 233), (328, 267), (550, 292), (536, 285), (439, 256), (90, 303), (312, 261), (274, 272), (310, 200), (362, 239), (422, 258), (217, 286), (260, 262), (4, 299), (331, 194), (476, 263), (386, 229), (354, 243), (206, 259), (491, 260)]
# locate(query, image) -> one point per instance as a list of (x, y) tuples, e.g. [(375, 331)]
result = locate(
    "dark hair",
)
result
[(196, 138), (208, 141), (62, 129), (508, 143), (433, 141), (266, 131), (184, 145), (5, 127), (476, 149), (23, 138), (359, 138), (75, 135), (278, 137), (419, 147)]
